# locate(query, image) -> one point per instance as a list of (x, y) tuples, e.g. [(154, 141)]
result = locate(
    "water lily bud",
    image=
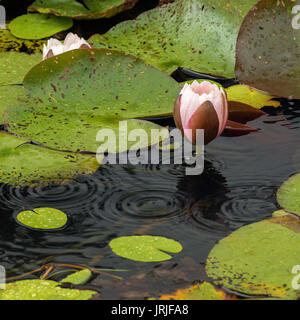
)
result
[(201, 106), (55, 47)]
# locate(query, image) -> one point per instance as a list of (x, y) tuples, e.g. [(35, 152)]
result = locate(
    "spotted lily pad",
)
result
[(74, 95), (9, 96), (288, 195), (14, 66), (43, 218), (258, 259), (145, 248), (203, 291), (22, 163), (268, 49), (42, 290), (38, 26), (88, 9), (10, 43), (199, 35), (78, 278)]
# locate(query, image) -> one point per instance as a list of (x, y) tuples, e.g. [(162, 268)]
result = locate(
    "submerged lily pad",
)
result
[(74, 95), (203, 291), (78, 278), (89, 9), (42, 290), (38, 26), (10, 43), (22, 163), (198, 35), (288, 195), (258, 259), (43, 218), (14, 66), (145, 248), (268, 49)]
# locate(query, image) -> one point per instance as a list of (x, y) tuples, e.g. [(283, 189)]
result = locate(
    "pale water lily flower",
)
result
[(201, 106), (72, 42)]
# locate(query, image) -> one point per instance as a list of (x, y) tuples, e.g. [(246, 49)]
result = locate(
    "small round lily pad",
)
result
[(145, 248), (43, 218), (38, 26)]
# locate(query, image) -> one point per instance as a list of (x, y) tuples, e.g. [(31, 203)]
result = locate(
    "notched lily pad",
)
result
[(268, 49), (199, 35), (38, 26), (88, 9), (43, 218), (145, 248), (258, 259), (42, 290)]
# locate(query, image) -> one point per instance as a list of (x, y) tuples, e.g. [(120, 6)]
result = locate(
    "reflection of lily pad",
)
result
[(203, 291), (288, 195), (199, 35), (74, 95), (43, 218), (26, 164), (14, 66), (145, 248), (42, 290), (268, 49), (38, 26), (88, 9), (258, 259), (79, 277)]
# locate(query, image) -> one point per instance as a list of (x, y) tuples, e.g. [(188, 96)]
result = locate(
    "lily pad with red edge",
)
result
[(74, 95), (234, 129), (86, 9), (268, 49), (258, 259)]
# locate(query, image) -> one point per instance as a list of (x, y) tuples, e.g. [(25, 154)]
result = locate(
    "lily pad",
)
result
[(10, 43), (203, 291), (258, 259), (88, 9), (198, 35), (145, 248), (288, 195), (268, 49), (78, 278), (22, 163), (38, 26), (42, 290), (43, 218), (74, 95), (14, 66), (9, 96)]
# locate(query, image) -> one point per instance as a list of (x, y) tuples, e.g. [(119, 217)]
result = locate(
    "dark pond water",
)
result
[(238, 187)]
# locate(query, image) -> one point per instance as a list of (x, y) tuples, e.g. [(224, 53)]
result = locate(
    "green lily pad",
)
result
[(42, 290), (279, 213), (288, 195), (263, 61), (10, 43), (203, 291), (38, 26), (26, 164), (43, 218), (9, 96), (74, 95), (14, 66), (145, 248), (258, 259), (78, 278), (198, 35), (89, 9)]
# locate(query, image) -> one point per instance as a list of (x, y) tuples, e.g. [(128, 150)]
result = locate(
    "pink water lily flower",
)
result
[(55, 47), (201, 106)]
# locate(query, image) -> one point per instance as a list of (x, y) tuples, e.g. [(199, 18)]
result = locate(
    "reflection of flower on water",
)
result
[(55, 47)]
